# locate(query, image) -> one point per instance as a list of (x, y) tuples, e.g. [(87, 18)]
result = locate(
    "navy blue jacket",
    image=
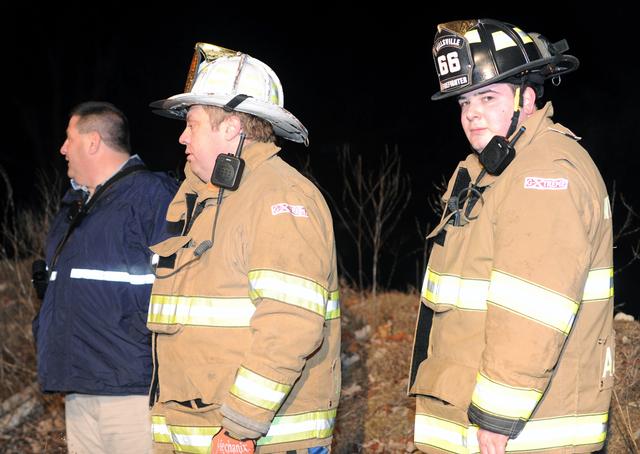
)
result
[(91, 334)]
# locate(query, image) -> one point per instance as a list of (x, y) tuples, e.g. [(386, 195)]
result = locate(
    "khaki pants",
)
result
[(108, 424)]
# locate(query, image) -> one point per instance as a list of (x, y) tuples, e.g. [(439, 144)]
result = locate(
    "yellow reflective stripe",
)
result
[(333, 306), (539, 434), (160, 430), (599, 285), (201, 311), (259, 390), (564, 431), (470, 294), (195, 440), (192, 443), (532, 301), (316, 424), (289, 289), (525, 37), (447, 435), (501, 40), (503, 400), (472, 36)]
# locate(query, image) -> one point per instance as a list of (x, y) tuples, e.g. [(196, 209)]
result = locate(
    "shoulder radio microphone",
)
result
[(227, 171), (499, 153)]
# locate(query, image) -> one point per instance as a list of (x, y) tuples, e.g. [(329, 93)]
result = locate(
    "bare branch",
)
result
[(371, 202), (629, 228)]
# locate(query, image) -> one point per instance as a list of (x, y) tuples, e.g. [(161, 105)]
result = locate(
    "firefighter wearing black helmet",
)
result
[(514, 342)]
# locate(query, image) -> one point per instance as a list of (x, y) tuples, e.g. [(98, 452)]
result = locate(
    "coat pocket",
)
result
[(445, 287), (167, 251), (445, 380), (166, 308)]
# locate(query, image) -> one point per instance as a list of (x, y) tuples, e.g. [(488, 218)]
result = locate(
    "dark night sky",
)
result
[(353, 75)]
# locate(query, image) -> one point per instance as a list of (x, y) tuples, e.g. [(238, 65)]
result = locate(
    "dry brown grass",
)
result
[(375, 414), (22, 236), (17, 309), (43, 431), (625, 415)]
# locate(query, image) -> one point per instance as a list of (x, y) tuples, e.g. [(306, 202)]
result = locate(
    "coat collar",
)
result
[(254, 155), (536, 123)]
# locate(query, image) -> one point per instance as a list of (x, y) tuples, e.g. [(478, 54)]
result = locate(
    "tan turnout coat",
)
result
[(520, 338), (250, 331)]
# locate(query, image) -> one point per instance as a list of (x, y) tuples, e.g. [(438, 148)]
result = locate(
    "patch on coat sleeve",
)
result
[(298, 211), (546, 184)]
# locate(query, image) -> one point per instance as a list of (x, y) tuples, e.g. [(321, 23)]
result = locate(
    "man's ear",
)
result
[(529, 101), (231, 127), (94, 141)]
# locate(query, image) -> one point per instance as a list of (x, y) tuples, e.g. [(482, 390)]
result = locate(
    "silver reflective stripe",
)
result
[(200, 311), (305, 426), (112, 276), (259, 390), (333, 306), (290, 289), (599, 285), (196, 440), (532, 301), (564, 431), (449, 290), (191, 443), (160, 430), (447, 435), (503, 400), (53, 276)]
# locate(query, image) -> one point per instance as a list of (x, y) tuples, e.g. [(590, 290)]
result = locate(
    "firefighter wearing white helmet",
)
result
[(514, 343), (245, 306)]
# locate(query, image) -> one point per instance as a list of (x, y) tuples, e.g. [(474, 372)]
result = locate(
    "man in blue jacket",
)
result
[(91, 338)]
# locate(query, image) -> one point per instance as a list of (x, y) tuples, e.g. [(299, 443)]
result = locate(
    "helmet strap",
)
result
[(518, 102), (234, 102)]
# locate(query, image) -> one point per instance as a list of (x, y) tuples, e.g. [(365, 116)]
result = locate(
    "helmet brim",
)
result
[(546, 68), (284, 123)]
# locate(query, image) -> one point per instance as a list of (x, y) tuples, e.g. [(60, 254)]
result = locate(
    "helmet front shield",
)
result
[(452, 56)]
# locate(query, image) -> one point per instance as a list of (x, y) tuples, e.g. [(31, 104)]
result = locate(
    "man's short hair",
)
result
[(255, 128), (107, 120)]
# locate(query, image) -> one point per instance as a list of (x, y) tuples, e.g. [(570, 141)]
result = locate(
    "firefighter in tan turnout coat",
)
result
[(514, 341), (244, 309)]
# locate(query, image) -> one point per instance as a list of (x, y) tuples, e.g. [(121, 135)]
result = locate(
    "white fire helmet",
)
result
[(234, 81)]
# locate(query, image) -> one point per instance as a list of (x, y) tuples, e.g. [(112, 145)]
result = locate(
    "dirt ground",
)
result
[(375, 414)]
